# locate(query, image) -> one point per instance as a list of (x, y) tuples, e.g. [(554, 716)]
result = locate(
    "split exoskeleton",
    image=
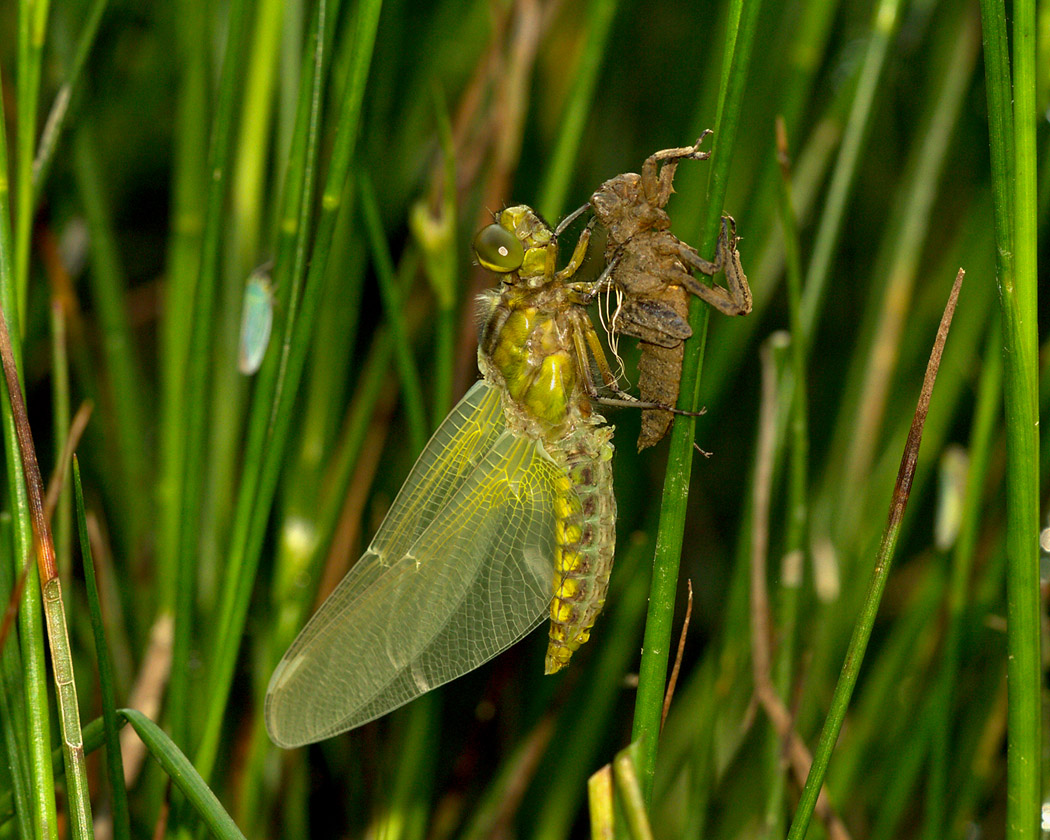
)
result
[(651, 272)]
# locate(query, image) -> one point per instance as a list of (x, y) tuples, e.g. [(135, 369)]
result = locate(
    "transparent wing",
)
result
[(434, 596)]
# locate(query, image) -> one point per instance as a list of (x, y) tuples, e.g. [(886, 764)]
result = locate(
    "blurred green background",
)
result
[(224, 504)]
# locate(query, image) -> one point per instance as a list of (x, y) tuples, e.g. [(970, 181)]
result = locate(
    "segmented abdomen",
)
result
[(659, 375), (586, 538)]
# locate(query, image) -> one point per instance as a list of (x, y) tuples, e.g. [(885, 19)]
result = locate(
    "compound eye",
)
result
[(499, 250)]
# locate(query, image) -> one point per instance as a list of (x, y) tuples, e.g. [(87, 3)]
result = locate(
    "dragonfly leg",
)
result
[(578, 254), (586, 339), (659, 185), (735, 298)]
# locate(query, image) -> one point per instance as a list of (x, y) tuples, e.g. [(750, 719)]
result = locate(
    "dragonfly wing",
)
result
[(432, 598)]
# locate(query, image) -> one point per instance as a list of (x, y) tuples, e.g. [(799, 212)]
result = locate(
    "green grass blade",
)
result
[(16, 801), (411, 385), (653, 671), (558, 176), (111, 725), (32, 27), (109, 290), (257, 506), (30, 624), (189, 188), (239, 573), (56, 118), (197, 373), (184, 775), (1024, 754), (866, 621), (884, 26)]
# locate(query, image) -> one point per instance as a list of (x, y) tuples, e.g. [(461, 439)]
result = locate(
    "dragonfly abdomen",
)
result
[(585, 534)]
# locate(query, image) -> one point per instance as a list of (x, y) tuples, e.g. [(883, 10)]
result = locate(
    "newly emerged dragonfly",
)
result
[(652, 272), (507, 518)]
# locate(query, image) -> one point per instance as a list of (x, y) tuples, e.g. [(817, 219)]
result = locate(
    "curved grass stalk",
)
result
[(862, 630)]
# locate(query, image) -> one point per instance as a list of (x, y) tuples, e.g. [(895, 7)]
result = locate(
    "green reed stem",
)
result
[(289, 267), (986, 414), (189, 189), (56, 118), (558, 176), (411, 385), (15, 802), (30, 624), (107, 691), (1021, 378), (884, 26), (246, 545), (79, 801), (197, 374), (32, 27), (652, 673), (866, 621), (109, 292)]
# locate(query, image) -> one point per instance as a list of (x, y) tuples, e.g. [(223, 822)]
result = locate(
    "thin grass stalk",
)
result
[(107, 692), (656, 645), (900, 794), (630, 792), (1012, 136), (796, 538), (183, 265), (32, 28), (290, 598), (333, 356), (558, 175), (883, 28), (905, 653), (580, 736), (1021, 378), (411, 385), (438, 236), (30, 623), (771, 359), (54, 608), (63, 522), (986, 414), (12, 720), (109, 292), (197, 373), (182, 773), (764, 258), (56, 118), (880, 574), (239, 574), (331, 201), (94, 737), (253, 143), (912, 215)]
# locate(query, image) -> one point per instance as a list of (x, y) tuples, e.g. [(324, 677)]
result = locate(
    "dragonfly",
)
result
[(507, 518), (651, 271)]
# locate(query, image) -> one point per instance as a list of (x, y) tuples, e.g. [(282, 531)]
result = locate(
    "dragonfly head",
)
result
[(520, 245)]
